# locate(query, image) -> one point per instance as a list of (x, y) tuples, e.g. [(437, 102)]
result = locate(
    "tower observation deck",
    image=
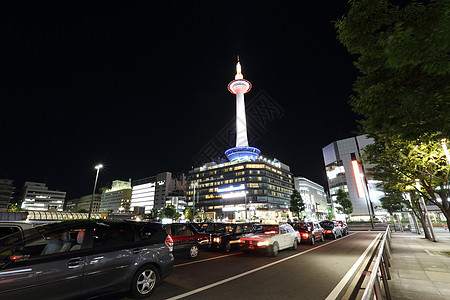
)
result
[(239, 86)]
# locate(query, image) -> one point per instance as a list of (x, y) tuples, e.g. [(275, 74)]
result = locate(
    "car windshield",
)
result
[(266, 228), (220, 228)]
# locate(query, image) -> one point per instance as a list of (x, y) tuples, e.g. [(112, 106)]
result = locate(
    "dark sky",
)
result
[(142, 88)]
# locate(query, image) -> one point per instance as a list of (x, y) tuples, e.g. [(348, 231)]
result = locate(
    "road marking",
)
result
[(206, 259), (337, 290), (206, 287)]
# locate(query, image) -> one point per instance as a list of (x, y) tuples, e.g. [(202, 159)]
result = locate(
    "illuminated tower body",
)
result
[(239, 86)]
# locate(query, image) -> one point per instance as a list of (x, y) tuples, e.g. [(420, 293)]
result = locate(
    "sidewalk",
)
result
[(419, 267)]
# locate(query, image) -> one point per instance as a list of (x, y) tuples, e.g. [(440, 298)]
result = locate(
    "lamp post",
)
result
[(98, 167)]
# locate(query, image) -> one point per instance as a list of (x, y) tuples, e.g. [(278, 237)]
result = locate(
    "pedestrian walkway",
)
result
[(420, 268)]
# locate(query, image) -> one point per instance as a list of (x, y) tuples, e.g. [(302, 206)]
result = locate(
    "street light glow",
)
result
[(99, 166)]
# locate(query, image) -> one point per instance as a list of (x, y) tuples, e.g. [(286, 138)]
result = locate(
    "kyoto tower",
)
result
[(239, 86)]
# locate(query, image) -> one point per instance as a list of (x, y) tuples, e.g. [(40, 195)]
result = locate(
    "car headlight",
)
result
[(216, 240), (263, 243)]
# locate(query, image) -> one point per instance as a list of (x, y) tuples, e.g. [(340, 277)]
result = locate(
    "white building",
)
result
[(36, 196), (314, 197), (362, 191), (151, 192), (117, 198)]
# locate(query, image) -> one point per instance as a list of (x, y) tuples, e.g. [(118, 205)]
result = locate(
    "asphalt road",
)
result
[(310, 272)]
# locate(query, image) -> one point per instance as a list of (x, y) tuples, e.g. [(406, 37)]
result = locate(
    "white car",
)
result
[(269, 239)]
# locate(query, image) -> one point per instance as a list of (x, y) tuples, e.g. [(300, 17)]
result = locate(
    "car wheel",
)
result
[(144, 281), (193, 251), (294, 245), (312, 242), (275, 249)]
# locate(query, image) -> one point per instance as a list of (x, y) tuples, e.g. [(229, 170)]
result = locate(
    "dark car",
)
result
[(344, 226), (310, 232), (225, 236), (84, 258), (200, 227), (186, 239), (331, 229)]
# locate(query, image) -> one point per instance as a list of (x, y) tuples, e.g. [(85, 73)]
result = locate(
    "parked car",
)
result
[(344, 226), (84, 258), (186, 239), (331, 229), (225, 236), (269, 239), (201, 227), (310, 232)]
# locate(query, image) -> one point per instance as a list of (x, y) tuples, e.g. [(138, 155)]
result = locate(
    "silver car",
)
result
[(82, 259)]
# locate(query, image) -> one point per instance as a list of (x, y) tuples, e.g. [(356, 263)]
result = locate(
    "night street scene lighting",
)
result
[(97, 167)]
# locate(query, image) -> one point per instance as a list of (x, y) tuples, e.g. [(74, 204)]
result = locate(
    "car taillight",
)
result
[(169, 242), (305, 235)]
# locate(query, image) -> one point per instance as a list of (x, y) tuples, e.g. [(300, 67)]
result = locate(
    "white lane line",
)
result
[(206, 287), (206, 259), (337, 290)]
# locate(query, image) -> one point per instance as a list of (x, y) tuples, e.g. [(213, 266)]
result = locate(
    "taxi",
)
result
[(269, 239)]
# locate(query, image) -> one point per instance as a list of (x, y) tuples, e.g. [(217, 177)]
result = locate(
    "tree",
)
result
[(296, 205), (152, 215), (418, 168), (14, 208), (170, 212), (190, 213), (345, 206), (403, 58)]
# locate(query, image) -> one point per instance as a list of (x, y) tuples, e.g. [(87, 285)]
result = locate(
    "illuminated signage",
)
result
[(358, 178), (233, 208), (234, 195), (231, 188)]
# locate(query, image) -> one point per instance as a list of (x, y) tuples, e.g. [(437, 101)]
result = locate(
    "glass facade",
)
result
[(261, 187)]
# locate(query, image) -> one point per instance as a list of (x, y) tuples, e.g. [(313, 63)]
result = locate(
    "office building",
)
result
[(36, 196), (346, 171), (314, 197), (6, 193), (83, 203), (118, 198), (151, 192)]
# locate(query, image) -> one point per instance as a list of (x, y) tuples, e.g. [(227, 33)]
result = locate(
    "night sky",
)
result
[(142, 88)]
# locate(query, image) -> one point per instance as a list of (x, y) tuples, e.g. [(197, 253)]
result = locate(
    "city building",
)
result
[(248, 186), (314, 197), (36, 196), (118, 198), (6, 193), (151, 192), (178, 200), (345, 171), (83, 203)]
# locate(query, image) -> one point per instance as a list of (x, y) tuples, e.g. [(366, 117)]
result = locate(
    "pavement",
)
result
[(420, 268)]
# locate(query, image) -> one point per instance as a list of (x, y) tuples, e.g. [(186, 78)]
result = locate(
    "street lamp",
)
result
[(97, 167)]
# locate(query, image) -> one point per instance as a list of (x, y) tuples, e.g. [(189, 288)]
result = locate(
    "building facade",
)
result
[(346, 171), (83, 203), (151, 192), (241, 189), (314, 197), (36, 196), (118, 198), (6, 193)]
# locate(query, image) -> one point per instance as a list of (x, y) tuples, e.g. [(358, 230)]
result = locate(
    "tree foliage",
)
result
[(296, 205), (170, 212), (345, 206), (190, 213), (418, 168), (403, 58)]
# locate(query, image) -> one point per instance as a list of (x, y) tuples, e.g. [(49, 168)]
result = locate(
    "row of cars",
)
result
[(189, 238), (86, 258)]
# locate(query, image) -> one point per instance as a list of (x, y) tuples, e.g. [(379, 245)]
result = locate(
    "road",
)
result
[(310, 272)]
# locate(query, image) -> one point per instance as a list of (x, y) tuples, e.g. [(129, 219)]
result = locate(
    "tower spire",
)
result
[(239, 86)]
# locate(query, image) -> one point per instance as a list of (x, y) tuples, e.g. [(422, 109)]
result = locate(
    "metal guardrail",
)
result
[(380, 271)]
